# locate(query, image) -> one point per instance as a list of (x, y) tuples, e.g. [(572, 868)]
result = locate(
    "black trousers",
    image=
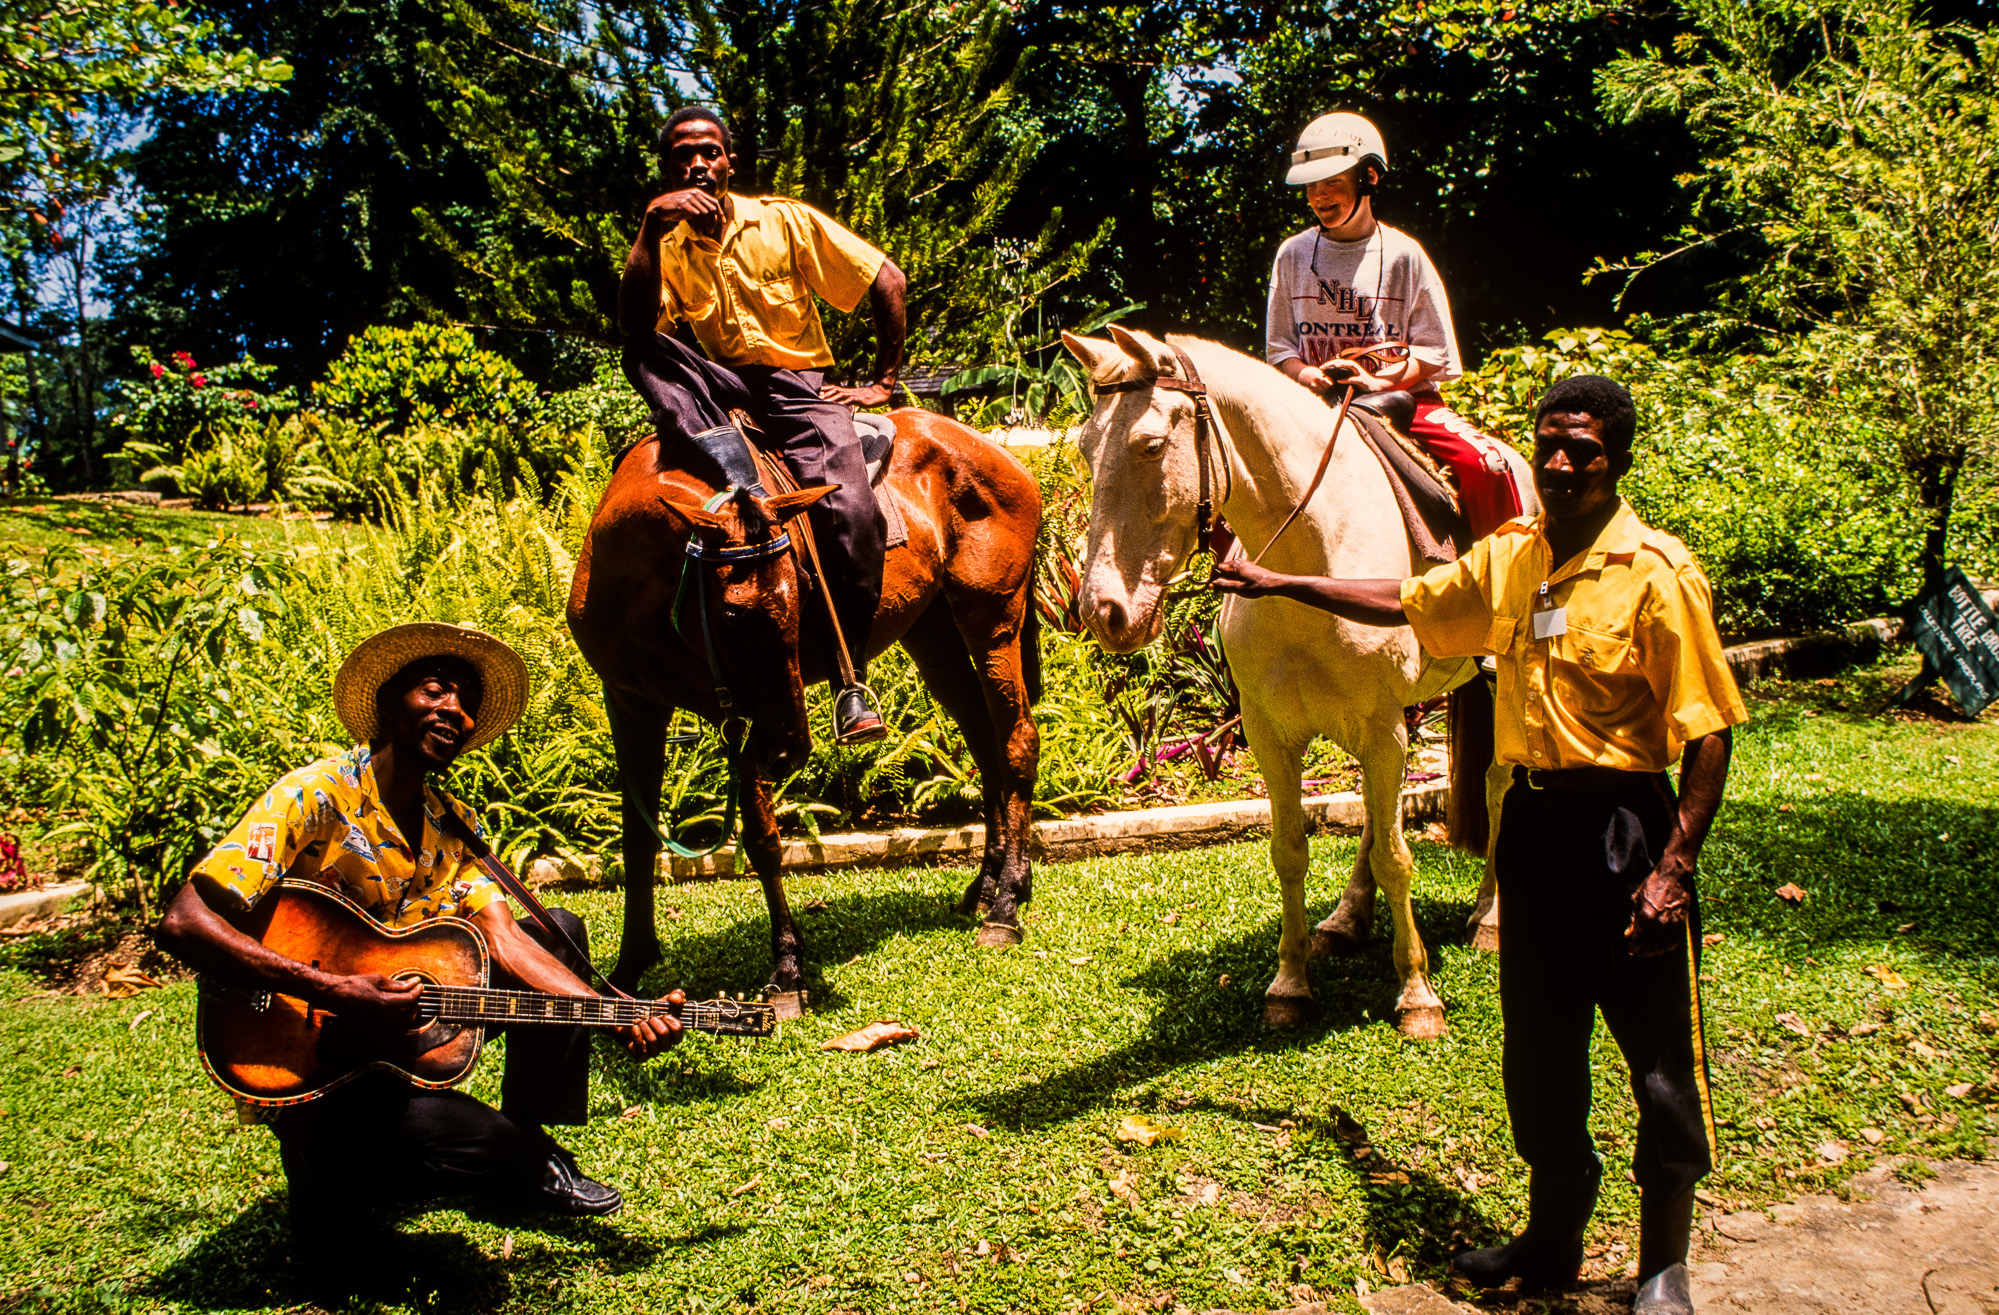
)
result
[(1568, 863), (381, 1137), (689, 393)]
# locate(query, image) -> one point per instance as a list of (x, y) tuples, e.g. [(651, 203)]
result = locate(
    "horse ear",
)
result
[(1152, 355), (688, 519), (1100, 359), (786, 505)]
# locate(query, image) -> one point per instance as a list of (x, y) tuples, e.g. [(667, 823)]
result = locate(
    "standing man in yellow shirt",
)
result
[(1609, 667), (742, 273)]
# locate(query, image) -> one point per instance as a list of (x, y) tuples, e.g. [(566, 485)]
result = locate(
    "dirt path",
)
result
[(1888, 1250)]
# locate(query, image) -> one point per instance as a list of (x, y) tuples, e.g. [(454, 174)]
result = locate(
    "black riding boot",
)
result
[(1550, 1252), (1665, 1225)]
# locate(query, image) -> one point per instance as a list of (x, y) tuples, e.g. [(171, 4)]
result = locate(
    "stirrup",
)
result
[(860, 724)]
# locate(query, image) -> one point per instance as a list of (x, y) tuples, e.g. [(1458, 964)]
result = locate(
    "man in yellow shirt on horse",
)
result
[(742, 273), (1609, 667)]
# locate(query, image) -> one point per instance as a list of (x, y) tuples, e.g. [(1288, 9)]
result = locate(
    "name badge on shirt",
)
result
[(1548, 624)]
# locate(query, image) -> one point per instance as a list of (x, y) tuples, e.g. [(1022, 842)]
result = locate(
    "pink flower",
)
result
[(198, 380), (183, 360), (158, 370), (249, 403)]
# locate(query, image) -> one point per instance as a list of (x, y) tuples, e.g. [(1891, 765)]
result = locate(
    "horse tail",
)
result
[(1469, 737), (1030, 647)]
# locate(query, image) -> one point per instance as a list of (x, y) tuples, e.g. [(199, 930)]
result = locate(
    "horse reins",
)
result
[(1189, 382), (1356, 355)]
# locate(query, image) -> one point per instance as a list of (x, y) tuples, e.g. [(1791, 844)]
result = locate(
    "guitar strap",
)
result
[(514, 886)]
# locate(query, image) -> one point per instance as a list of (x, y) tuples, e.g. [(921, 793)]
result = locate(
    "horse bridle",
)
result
[(706, 556), (1188, 381)]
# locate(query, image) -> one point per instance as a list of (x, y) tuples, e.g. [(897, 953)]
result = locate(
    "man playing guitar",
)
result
[(367, 824)]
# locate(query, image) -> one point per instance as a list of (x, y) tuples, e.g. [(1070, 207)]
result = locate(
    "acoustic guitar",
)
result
[(265, 1048)]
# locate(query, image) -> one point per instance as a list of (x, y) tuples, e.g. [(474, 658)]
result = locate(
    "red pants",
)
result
[(1485, 481)]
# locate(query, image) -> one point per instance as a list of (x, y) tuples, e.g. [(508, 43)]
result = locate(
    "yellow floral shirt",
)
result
[(325, 822)]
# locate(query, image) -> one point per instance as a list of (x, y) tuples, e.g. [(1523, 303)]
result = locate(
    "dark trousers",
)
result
[(689, 393), (381, 1137), (1568, 863)]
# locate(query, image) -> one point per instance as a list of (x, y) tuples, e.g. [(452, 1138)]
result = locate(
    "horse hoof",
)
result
[(1335, 941), (1421, 1023), (1485, 937), (1282, 1011), (787, 1004), (998, 936)]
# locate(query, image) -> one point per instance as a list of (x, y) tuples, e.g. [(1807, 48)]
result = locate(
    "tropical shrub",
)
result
[(427, 374), (1790, 498), (176, 406), (149, 697)]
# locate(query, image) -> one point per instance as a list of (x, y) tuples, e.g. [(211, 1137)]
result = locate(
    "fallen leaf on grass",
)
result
[(1863, 1029), (1784, 808), (72, 1070), (1794, 1023), (1832, 1152), (1988, 1022), (1815, 776), (977, 1131), (1791, 893), (1925, 1051), (1713, 938), (747, 1187), (507, 1247), (872, 1037), (1887, 976), (1078, 960), (1222, 982), (1120, 1188), (1958, 1092), (1144, 1131), (121, 982), (1905, 928), (1171, 919), (631, 1111), (1873, 1136), (139, 1018)]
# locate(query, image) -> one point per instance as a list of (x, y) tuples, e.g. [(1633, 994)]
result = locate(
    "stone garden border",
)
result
[(1188, 826)]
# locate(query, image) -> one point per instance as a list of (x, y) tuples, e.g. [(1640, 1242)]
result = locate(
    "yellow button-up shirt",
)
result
[(749, 296), (1637, 672), (325, 822)]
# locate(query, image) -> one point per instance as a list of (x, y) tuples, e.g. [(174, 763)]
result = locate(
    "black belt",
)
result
[(1594, 780)]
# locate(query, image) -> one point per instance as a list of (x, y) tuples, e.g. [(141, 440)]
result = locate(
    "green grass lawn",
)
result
[(977, 1168), (38, 524)]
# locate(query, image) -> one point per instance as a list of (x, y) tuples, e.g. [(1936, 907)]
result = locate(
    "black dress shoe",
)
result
[(855, 718), (1668, 1292), (566, 1191), (1549, 1254)]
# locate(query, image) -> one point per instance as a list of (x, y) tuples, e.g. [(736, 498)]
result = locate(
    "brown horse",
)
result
[(956, 596)]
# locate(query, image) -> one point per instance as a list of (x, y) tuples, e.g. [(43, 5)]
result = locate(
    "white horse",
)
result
[(1303, 672)]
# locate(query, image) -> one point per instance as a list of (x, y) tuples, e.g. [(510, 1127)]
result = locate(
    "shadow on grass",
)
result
[(834, 931), (1923, 871), (1201, 1019), (252, 1262)]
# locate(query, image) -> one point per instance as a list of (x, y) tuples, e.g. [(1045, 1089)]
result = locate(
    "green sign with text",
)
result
[(1959, 640)]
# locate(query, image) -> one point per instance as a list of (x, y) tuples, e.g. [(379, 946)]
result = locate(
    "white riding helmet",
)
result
[(1332, 144)]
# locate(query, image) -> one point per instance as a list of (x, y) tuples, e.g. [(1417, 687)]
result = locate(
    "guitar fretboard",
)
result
[(480, 1004)]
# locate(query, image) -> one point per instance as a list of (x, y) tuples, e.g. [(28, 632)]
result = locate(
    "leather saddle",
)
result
[(877, 435), (727, 446), (1430, 507)]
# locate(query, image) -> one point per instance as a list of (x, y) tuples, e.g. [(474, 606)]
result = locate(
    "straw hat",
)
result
[(378, 658)]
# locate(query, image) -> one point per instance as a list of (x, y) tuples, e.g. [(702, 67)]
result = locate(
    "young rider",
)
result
[(1352, 282)]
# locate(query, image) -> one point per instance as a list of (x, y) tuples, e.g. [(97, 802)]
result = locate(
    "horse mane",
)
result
[(1260, 389)]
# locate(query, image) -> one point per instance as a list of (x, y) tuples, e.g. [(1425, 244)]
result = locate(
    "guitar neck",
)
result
[(484, 1004)]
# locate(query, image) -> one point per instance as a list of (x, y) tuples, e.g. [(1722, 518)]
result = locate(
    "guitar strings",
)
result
[(464, 1003)]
